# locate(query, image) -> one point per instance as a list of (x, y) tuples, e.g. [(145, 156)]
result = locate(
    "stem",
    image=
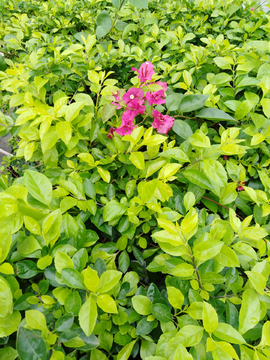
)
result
[(221, 206), (193, 261), (116, 17), (5, 152), (189, 118), (75, 93), (7, 53)]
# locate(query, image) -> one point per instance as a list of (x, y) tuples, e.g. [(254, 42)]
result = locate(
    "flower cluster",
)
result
[(135, 101)]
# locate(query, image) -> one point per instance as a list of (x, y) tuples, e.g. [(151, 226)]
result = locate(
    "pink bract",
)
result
[(110, 135), (145, 71), (156, 97), (136, 106), (127, 123), (163, 85), (132, 94), (163, 123), (117, 100)]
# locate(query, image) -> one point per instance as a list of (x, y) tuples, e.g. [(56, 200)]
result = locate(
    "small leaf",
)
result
[(103, 23), (107, 304), (88, 316)]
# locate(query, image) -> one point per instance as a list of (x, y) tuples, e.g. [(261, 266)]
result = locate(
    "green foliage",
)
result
[(145, 245)]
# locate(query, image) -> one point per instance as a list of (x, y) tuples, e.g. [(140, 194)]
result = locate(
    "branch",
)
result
[(221, 206), (5, 152)]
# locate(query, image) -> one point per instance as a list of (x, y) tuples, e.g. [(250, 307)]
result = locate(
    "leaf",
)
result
[(73, 279), (107, 304), (181, 353), (137, 159), (243, 109), (3, 65), (35, 319), (227, 257), (107, 112), (265, 340), (62, 261), (210, 318), (108, 280), (64, 131), (257, 280), (124, 354), (91, 279), (139, 4), (113, 209), (5, 243), (73, 110), (105, 175), (249, 314), (103, 23), (206, 250), (30, 346), (9, 324), (190, 335), (182, 129), (161, 312), (176, 154), (192, 102), (147, 189), (88, 316), (124, 261), (173, 101), (6, 298), (175, 297), (198, 178), (39, 186), (214, 115), (8, 353), (227, 333), (183, 270), (200, 140), (144, 326), (141, 304)]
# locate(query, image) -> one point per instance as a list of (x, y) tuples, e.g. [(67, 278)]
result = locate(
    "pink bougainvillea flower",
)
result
[(127, 123), (145, 71), (156, 97), (240, 187), (163, 123), (110, 135), (131, 94), (163, 85), (136, 106), (117, 100)]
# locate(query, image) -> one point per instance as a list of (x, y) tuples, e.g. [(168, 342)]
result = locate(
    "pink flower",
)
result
[(240, 187), (145, 71), (117, 100), (163, 85), (251, 9), (136, 106), (110, 135), (163, 123), (127, 123), (156, 97), (131, 94)]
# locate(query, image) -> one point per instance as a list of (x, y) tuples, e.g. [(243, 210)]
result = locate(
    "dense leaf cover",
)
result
[(149, 242)]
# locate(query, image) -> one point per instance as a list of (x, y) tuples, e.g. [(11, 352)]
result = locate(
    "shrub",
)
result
[(135, 229)]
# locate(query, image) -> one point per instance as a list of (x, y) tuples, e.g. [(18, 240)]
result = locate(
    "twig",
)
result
[(5, 152), (7, 53), (221, 206)]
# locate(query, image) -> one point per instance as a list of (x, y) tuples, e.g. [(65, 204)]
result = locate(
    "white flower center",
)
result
[(131, 96), (147, 62)]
